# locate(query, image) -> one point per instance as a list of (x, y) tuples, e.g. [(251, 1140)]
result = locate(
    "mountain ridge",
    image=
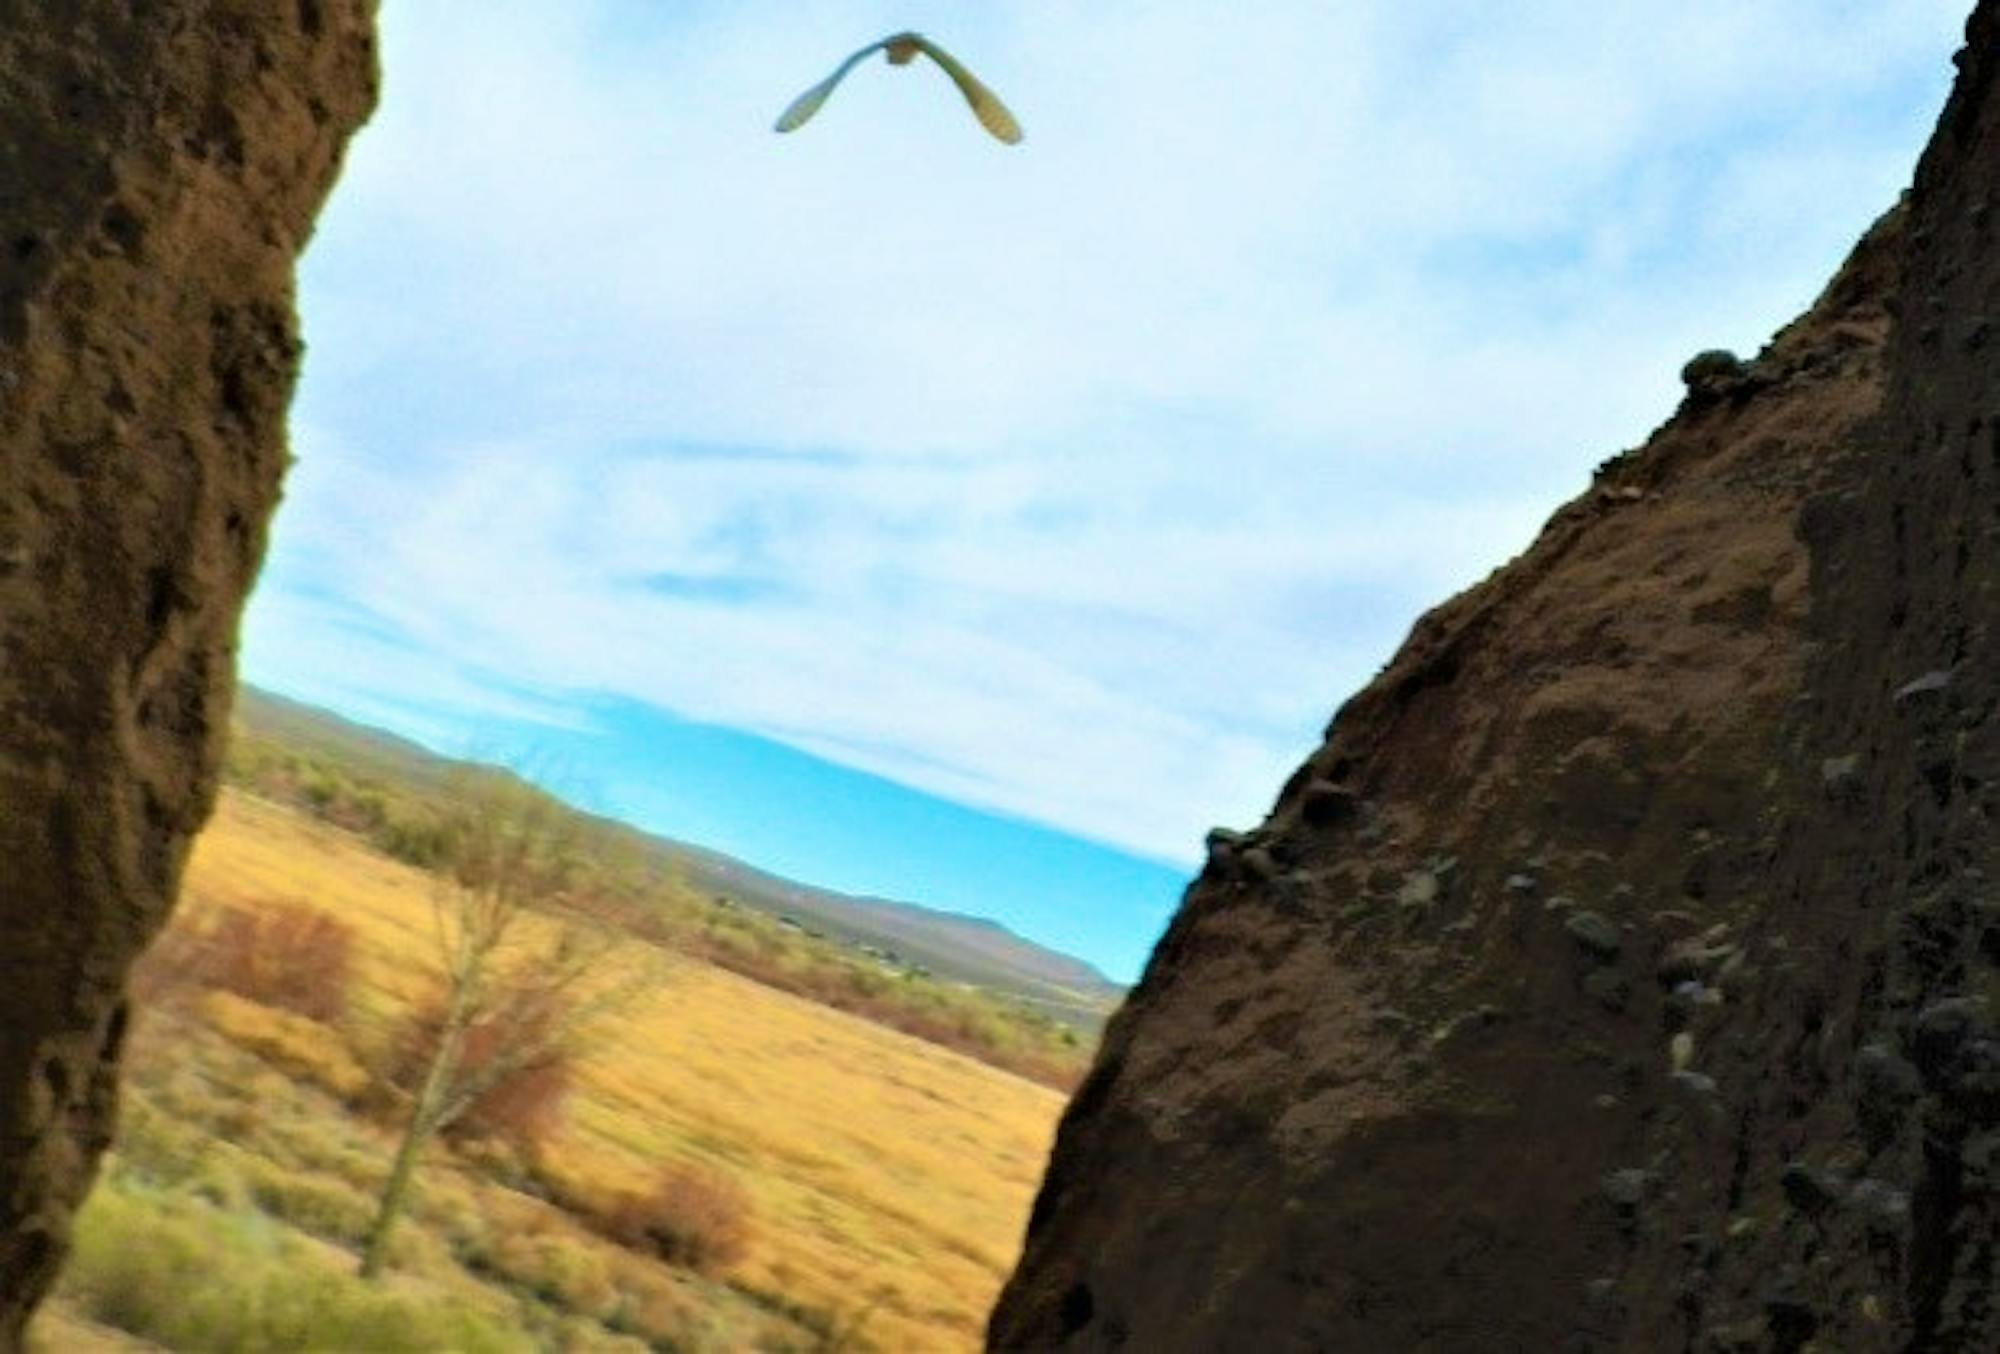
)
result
[(953, 944)]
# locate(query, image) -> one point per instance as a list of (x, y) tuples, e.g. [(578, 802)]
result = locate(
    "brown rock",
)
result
[(1334, 1200), (163, 165), (1326, 804)]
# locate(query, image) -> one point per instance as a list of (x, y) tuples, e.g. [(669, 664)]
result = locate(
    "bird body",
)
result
[(901, 49)]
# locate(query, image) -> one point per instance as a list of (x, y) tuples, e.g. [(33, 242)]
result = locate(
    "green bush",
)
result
[(156, 1145), (173, 1270), (329, 1208)]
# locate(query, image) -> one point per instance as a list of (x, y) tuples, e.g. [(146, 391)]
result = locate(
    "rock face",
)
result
[(163, 165), (1623, 973)]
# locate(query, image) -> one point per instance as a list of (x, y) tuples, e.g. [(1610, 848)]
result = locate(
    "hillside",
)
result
[(947, 945), (165, 164), (1620, 973)]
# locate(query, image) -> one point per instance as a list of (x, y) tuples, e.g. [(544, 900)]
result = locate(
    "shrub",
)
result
[(655, 1310), (194, 1278), (291, 957), (555, 1269), (420, 841), (328, 1208), (451, 1211), (693, 1216), (524, 1107), (160, 1146)]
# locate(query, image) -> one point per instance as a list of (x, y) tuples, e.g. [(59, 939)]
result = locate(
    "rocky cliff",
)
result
[(1623, 973), (160, 168)]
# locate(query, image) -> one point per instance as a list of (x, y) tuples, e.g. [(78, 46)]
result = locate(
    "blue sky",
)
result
[(978, 525)]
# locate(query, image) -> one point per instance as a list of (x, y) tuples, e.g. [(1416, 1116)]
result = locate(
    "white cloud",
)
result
[(1133, 450)]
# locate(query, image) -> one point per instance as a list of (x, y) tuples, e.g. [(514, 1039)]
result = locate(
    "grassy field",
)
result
[(888, 1178), (969, 986)]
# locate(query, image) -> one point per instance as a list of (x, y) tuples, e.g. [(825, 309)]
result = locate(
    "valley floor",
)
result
[(887, 1179)]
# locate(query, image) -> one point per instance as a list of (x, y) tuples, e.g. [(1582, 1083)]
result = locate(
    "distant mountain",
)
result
[(951, 945), (358, 748)]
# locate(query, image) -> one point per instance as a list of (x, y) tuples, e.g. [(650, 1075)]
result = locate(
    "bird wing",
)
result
[(986, 105), (808, 103)]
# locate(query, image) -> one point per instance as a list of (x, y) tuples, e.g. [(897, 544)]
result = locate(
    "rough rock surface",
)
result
[(163, 163), (1623, 973)]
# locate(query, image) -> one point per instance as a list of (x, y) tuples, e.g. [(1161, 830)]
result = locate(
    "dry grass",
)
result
[(884, 1173), (276, 1182), (304, 1048)]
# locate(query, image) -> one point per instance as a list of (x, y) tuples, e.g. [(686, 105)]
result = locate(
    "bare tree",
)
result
[(512, 856)]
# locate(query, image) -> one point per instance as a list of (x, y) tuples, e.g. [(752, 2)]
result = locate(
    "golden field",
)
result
[(890, 1178)]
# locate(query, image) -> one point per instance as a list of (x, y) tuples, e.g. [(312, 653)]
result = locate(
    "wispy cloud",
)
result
[(1079, 481)]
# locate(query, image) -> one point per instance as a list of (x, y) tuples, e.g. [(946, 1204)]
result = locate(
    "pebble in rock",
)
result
[(1882, 1207), (1691, 998), (1978, 1159), (1941, 1028), (1327, 803), (1838, 773), (1886, 1087), (1694, 960), (1930, 684), (1791, 1319), (1420, 889), (1626, 1189), (1595, 933), (1696, 1084), (1806, 1189), (1975, 1080), (1882, 1074), (1609, 988)]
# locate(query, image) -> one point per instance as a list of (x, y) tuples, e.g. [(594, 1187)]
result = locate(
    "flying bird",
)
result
[(901, 49)]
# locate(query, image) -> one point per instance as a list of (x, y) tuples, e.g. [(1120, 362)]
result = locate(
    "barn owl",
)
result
[(901, 49)]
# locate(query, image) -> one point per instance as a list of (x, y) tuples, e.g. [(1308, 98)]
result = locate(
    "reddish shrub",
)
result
[(693, 1216), (289, 957), (524, 1107), (292, 958)]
